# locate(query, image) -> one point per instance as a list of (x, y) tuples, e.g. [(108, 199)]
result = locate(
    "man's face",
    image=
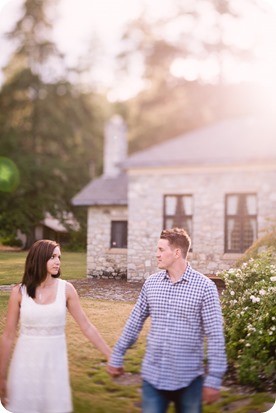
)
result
[(165, 254)]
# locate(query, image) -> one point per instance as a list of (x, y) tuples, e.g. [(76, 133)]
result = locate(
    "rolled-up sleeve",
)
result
[(213, 329), (131, 330)]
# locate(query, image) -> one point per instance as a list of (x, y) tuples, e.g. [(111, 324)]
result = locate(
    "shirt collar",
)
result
[(185, 276)]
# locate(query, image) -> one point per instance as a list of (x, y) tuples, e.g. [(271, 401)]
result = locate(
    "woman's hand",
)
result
[(115, 371)]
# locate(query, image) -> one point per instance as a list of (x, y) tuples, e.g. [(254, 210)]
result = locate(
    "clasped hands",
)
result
[(209, 395)]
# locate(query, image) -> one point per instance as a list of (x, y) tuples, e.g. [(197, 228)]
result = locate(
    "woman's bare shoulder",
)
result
[(17, 289), (16, 293), (70, 289)]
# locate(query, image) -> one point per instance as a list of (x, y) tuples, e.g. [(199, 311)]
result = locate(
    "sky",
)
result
[(77, 21)]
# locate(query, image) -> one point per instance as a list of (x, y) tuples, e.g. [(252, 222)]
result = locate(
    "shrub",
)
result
[(11, 241), (76, 242), (249, 310)]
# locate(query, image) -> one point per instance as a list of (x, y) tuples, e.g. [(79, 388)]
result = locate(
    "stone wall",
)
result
[(208, 187), (103, 261)]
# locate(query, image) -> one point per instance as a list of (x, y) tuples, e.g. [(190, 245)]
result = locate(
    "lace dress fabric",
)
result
[(38, 380)]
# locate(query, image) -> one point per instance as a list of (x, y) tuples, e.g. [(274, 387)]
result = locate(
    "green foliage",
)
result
[(11, 241), (50, 129), (77, 240), (50, 142), (249, 309)]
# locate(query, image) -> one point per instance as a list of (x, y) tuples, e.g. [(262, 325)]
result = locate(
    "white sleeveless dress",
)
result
[(38, 380)]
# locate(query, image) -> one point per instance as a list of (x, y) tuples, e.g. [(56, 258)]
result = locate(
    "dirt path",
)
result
[(114, 290), (101, 289)]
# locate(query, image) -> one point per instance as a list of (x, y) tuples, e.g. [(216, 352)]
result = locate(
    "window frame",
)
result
[(187, 216), (241, 219), (124, 244)]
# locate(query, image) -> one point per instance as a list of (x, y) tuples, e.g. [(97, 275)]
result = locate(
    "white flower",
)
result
[(273, 278), (232, 292), (254, 299), (248, 345), (273, 318), (270, 333), (262, 292)]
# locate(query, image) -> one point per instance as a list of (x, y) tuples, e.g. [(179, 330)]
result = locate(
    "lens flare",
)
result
[(9, 175)]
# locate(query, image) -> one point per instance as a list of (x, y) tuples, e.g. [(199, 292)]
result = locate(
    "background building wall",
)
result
[(208, 187), (103, 261)]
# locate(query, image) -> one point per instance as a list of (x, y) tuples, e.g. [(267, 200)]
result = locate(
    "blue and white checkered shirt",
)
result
[(182, 314)]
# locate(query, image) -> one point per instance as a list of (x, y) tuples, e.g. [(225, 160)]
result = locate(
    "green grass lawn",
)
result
[(73, 266), (93, 389)]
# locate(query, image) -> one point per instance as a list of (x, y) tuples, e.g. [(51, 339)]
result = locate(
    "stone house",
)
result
[(218, 182)]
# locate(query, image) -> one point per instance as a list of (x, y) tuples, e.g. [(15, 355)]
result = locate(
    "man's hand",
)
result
[(115, 371), (3, 394), (210, 395)]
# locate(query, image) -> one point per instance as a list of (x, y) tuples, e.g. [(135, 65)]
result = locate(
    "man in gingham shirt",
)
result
[(184, 308)]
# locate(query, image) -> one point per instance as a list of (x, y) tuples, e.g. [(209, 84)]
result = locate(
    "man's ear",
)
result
[(178, 252)]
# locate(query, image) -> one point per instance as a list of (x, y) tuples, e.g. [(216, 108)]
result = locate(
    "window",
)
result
[(178, 212), (118, 234), (240, 221)]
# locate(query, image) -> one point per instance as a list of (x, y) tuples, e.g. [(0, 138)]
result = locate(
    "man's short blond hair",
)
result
[(178, 238)]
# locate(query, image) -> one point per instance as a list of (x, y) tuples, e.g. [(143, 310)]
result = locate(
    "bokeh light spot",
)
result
[(9, 175)]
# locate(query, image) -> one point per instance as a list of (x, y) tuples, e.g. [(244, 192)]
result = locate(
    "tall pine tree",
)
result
[(48, 128)]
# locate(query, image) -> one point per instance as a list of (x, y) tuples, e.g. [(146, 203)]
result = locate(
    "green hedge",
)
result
[(249, 309)]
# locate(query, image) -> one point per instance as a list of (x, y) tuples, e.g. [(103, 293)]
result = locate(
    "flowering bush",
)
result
[(249, 310)]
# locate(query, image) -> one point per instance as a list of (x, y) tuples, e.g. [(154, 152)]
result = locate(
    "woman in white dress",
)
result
[(37, 378)]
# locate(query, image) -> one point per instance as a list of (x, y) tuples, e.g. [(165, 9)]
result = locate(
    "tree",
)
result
[(49, 128), (196, 33)]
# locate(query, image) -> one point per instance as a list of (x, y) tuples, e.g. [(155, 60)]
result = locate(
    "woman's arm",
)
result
[(8, 337), (87, 328)]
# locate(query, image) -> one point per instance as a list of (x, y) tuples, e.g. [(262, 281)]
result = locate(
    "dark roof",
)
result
[(103, 191), (229, 142)]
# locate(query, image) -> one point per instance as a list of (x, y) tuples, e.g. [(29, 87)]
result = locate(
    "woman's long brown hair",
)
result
[(36, 264)]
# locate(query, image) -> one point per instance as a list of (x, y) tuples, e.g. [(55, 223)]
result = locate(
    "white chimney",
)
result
[(115, 145)]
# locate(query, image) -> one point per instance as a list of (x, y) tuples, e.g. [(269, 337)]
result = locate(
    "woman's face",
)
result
[(53, 264)]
